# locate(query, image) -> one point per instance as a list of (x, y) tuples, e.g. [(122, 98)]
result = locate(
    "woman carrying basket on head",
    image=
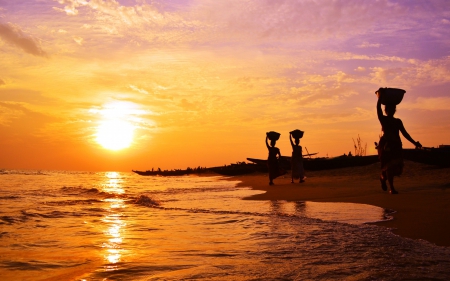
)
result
[(390, 146), (297, 169), (274, 156)]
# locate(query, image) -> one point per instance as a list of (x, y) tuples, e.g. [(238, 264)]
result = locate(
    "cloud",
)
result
[(369, 45), (413, 72), (432, 104), (2, 82), (8, 113), (142, 91), (187, 105), (24, 96), (350, 115), (78, 40), (232, 20), (21, 118), (15, 36), (297, 20), (71, 6)]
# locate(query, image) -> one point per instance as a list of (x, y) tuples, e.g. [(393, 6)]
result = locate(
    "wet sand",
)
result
[(422, 205)]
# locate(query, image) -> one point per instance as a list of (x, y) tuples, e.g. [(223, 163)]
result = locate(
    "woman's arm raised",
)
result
[(379, 110), (407, 136)]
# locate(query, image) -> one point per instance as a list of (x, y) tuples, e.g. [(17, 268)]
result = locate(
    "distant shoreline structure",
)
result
[(433, 156)]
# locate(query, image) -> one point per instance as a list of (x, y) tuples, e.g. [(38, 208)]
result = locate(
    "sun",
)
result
[(115, 134), (115, 130)]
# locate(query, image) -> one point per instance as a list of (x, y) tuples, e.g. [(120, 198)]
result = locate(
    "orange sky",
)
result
[(198, 83)]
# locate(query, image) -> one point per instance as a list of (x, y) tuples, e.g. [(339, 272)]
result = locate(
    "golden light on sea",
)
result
[(114, 222)]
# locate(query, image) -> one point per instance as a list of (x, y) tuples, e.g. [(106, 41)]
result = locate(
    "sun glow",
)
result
[(115, 134), (115, 130)]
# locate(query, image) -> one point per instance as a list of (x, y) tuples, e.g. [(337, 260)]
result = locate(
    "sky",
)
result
[(103, 85)]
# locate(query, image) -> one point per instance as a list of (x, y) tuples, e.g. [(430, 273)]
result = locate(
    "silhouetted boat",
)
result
[(176, 172), (161, 173), (433, 156), (323, 163), (240, 168), (236, 169)]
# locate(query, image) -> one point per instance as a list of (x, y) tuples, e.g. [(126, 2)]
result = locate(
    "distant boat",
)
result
[(161, 173), (434, 156), (240, 168), (177, 172), (324, 163), (236, 169)]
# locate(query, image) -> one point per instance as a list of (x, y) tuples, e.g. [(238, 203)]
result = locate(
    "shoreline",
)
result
[(422, 207)]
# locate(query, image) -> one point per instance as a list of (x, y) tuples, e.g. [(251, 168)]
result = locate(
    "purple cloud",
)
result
[(13, 35)]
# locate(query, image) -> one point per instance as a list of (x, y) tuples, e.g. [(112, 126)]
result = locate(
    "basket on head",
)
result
[(390, 95), (273, 135), (297, 134)]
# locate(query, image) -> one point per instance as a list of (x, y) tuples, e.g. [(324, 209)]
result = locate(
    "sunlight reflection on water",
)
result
[(116, 226), (113, 183)]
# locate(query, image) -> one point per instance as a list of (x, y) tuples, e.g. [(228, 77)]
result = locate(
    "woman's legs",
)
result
[(383, 179), (390, 178), (301, 171)]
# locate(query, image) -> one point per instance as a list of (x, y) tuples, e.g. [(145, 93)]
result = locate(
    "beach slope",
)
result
[(422, 207)]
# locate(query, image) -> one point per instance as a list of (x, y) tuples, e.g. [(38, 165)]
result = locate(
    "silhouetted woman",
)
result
[(272, 160), (390, 146), (297, 160)]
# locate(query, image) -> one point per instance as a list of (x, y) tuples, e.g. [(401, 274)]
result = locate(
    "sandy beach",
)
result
[(422, 206)]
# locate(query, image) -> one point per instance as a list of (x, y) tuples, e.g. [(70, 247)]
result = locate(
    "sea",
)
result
[(66, 225)]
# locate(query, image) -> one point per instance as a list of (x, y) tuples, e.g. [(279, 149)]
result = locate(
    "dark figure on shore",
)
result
[(390, 146), (272, 160), (298, 172)]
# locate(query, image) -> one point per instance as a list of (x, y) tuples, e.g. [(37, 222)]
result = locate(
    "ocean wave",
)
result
[(144, 200), (76, 190), (23, 172), (72, 202), (91, 192), (174, 190), (53, 214), (12, 220), (11, 197), (33, 265)]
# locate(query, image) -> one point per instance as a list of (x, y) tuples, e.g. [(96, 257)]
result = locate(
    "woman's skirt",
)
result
[(274, 169), (391, 156), (297, 168)]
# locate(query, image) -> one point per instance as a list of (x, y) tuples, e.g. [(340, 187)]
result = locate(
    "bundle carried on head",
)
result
[(297, 134), (273, 135), (391, 96)]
